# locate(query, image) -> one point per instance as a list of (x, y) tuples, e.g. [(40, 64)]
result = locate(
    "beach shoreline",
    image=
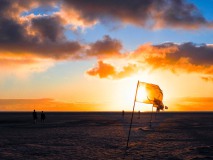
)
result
[(103, 135)]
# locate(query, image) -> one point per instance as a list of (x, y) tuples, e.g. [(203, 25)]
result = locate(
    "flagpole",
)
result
[(130, 126), (150, 123)]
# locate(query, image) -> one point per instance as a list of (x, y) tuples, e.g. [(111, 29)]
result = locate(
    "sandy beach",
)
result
[(103, 135)]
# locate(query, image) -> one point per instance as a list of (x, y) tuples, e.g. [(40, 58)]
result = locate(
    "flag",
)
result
[(150, 94)]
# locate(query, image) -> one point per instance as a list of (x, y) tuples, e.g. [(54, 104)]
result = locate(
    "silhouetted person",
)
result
[(123, 114), (35, 116), (139, 114), (42, 116)]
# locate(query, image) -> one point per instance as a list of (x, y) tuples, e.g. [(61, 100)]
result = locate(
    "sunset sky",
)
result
[(87, 55)]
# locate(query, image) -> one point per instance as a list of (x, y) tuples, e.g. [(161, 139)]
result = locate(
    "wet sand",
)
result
[(100, 135)]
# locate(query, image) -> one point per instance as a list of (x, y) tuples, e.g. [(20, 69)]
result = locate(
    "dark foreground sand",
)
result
[(98, 136)]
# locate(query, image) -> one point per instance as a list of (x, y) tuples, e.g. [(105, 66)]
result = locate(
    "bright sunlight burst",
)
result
[(142, 94)]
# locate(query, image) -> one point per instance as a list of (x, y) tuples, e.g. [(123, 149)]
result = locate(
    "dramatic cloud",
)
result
[(27, 38), (105, 70), (186, 57), (41, 36), (107, 47), (146, 13), (196, 54), (48, 28)]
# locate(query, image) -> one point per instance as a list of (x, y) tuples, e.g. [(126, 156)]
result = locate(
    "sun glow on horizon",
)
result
[(124, 94)]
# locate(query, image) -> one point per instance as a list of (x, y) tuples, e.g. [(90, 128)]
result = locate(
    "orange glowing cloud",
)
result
[(186, 57), (105, 70)]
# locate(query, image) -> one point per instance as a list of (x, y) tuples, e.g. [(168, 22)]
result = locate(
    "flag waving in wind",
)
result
[(150, 94)]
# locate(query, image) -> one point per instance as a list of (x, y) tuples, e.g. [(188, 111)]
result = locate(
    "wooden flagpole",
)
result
[(130, 126)]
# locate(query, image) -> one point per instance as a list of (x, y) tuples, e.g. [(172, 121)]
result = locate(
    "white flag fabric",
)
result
[(150, 94)]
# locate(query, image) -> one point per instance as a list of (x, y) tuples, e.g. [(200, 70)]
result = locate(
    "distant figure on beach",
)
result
[(42, 117), (139, 114), (123, 114), (35, 116)]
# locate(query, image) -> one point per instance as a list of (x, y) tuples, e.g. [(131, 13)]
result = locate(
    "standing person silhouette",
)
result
[(42, 117), (123, 113), (35, 116), (139, 114)]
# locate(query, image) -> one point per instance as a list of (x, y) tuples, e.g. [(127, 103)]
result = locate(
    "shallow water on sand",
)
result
[(104, 136)]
